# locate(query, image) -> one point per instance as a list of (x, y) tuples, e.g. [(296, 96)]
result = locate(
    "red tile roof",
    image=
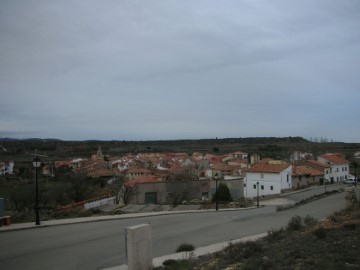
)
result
[(335, 158), (266, 167), (313, 164), (317, 163), (100, 172), (305, 170), (136, 170), (222, 167), (142, 180)]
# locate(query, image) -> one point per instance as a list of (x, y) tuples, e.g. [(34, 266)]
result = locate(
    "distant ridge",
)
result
[(245, 140)]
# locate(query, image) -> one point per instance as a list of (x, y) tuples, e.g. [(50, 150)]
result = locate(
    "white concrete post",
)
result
[(139, 247)]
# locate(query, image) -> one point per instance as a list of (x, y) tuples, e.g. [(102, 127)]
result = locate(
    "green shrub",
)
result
[(295, 223), (169, 262), (310, 221), (251, 249), (174, 265), (274, 234), (320, 233), (185, 247), (350, 226), (222, 194)]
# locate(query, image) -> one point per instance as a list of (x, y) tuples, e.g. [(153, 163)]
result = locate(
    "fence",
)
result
[(100, 202)]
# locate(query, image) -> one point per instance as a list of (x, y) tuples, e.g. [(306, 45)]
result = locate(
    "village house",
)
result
[(243, 164), (323, 168), (98, 168), (254, 158), (151, 190), (6, 167), (268, 177), (63, 165), (339, 167), (305, 176), (222, 170), (134, 172), (297, 155), (238, 154)]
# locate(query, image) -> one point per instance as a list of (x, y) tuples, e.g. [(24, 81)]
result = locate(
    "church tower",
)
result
[(99, 154)]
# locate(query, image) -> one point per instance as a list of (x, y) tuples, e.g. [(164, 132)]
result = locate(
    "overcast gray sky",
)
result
[(185, 69)]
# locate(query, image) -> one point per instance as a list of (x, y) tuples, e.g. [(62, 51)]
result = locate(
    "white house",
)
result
[(339, 167), (268, 178), (6, 167), (238, 154)]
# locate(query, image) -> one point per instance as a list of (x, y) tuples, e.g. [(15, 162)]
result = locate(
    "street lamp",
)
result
[(257, 198), (36, 164), (216, 192), (330, 171), (354, 164)]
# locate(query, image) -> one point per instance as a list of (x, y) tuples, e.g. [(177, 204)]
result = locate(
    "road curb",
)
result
[(61, 222), (200, 251)]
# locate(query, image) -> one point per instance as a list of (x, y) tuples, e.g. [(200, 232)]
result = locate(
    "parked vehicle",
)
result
[(350, 181)]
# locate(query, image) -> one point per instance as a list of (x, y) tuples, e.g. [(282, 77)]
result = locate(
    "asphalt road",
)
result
[(315, 190), (99, 245)]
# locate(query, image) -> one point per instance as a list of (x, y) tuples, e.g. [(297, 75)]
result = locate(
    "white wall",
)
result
[(338, 172), (269, 183), (98, 203)]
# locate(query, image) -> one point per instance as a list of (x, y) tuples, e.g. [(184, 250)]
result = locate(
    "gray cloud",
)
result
[(179, 69)]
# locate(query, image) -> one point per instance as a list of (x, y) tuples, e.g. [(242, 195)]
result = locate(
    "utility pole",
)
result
[(257, 198), (355, 169)]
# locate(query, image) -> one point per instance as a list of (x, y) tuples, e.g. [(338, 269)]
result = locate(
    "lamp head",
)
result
[(36, 162)]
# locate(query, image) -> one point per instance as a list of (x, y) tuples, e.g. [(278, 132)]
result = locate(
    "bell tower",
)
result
[(99, 154)]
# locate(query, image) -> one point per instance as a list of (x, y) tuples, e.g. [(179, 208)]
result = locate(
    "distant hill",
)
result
[(274, 147)]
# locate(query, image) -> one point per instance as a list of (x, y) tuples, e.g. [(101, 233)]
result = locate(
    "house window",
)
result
[(346, 169), (271, 188), (254, 186), (337, 169), (262, 187), (262, 176), (287, 178)]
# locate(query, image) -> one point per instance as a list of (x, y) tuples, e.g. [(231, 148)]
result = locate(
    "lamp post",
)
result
[(355, 168), (216, 192), (330, 171), (257, 198), (36, 164), (354, 164)]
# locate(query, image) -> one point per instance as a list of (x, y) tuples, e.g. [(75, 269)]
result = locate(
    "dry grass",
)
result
[(303, 244)]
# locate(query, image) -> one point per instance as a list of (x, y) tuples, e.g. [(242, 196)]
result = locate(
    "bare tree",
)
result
[(126, 194)]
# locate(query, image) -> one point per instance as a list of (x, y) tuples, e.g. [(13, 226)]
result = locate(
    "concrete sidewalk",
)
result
[(196, 253)]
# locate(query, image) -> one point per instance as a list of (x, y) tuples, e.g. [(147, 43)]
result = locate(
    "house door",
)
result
[(150, 198)]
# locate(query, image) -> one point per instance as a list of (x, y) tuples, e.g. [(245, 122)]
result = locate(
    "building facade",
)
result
[(267, 178)]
